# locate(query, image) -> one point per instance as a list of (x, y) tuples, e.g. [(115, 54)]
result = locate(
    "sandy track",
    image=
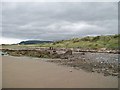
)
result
[(25, 72)]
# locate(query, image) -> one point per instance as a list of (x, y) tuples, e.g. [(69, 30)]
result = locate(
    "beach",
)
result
[(0, 72), (29, 72)]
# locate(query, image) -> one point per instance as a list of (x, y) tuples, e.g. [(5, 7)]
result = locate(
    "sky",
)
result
[(56, 20)]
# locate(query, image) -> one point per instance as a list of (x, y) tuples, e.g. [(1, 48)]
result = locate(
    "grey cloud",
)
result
[(56, 21)]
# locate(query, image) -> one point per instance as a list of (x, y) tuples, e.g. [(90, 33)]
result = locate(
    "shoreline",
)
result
[(102, 50), (78, 60)]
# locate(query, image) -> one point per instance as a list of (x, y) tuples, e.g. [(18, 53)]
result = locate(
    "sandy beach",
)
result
[(27, 72), (0, 72)]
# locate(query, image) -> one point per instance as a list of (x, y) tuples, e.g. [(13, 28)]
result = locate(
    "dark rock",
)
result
[(54, 51), (106, 73), (70, 70), (82, 53), (2, 54), (93, 70), (62, 56), (115, 74), (69, 52)]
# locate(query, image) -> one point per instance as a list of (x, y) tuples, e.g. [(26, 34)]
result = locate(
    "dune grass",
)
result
[(89, 42), (108, 42)]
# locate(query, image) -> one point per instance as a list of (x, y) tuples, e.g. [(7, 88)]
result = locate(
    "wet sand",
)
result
[(26, 72), (0, 72)]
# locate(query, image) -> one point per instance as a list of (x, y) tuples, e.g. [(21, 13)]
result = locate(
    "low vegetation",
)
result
[(88, 42)]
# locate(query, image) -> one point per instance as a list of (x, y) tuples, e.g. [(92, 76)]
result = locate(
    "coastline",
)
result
[(101, 50), (106, 63)]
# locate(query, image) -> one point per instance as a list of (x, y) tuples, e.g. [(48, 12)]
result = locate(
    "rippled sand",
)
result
[(26, 72)]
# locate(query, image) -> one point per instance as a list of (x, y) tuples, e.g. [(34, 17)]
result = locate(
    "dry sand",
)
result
[(26, 72)]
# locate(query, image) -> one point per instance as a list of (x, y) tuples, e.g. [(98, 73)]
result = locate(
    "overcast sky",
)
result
[(57, 20)]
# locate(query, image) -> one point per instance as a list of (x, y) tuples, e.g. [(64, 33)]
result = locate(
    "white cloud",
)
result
[(9, 40)]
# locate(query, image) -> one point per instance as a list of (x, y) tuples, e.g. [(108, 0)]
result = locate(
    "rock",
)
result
[(2, 54), (115, 74), (98, 71), (101, 62), (69, 52), (95, 65), (77, 68), (102, 49), (103, 69), (54, 51), (106, 73), (93, 70), (82, 53), (50, 48), (62, 56), (70, 70), (55, 55)]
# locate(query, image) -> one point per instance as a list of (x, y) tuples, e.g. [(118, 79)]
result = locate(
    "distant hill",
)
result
[(34, 42)]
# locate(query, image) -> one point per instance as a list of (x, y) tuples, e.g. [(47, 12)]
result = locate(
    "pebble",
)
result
[(70, 70)]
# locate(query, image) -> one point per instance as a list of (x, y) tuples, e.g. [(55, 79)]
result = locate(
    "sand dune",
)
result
[(26, 72)]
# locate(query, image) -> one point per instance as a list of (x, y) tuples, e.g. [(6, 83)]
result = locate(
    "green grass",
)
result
[(108, 42), (97, 42)]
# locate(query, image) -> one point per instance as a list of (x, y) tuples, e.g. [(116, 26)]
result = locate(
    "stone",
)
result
[(69, 52), (70, 70), (82, 53), (115, 74), (93, 70)]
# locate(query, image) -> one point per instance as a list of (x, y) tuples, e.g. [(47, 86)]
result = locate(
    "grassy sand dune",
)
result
[(89, 42), (97, 42)]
